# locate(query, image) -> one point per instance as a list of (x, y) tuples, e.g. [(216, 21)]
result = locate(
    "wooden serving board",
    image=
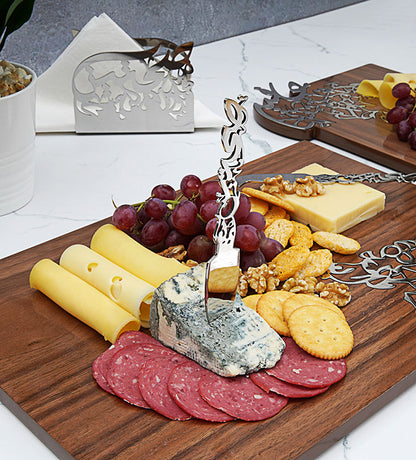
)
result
[(358, 130), (46, 355)]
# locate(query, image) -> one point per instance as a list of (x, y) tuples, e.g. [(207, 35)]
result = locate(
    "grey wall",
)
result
[(38, 43)]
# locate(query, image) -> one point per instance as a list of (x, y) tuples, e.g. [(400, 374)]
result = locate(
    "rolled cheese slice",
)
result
[(81, 300), (123, 288), (387, 100), (117, 246), (369, 88)]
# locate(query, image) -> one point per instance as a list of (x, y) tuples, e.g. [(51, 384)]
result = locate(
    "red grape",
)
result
[(175, 238), (401, 90), (243, 209), (208, 210), (153, 232), (403, 129), (184, 215), (164, 192), (412, 119), (196, 228), (201, 248), (210, 227), (124, 217), (396, 115), (408, 103), (251, 259), (256, 220), (412, 140), (208, 190), (190, 185), (156, 208), (270, 248), (247, 238)]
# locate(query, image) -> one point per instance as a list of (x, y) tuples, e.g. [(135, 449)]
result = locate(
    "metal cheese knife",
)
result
[(339, 178), (223, 269)]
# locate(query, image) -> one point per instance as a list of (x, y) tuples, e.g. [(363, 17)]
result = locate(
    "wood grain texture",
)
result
[(373, 139), (46, 355)]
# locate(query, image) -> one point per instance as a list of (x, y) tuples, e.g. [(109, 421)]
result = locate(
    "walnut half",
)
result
[(304, 285), (337, 293), (261, 279)]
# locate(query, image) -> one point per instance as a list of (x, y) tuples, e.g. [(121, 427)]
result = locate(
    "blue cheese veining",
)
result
[(239, 342)]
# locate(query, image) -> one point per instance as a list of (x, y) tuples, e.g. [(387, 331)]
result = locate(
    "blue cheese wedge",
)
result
[(237, 343)]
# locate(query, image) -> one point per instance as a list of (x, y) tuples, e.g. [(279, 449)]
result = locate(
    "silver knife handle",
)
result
[(367, 177)]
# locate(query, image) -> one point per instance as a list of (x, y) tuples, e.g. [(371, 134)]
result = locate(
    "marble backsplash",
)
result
[(39, 42)]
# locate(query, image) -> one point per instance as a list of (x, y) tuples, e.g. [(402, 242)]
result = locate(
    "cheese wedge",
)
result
[(121, 249), (123, 288), (340, 208), (81, 300)]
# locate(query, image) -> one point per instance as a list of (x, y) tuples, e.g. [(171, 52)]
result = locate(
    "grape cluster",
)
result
[(166, 220), (403, 115)]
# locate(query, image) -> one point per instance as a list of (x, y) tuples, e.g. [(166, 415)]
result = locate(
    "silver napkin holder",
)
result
[(147, 91)]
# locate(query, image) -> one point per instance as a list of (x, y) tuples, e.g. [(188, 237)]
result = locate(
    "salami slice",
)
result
[(270, 383), (300, 368), (183, 386), (240, 397), (153, 384), (100, 368), (122, 375), (130, 337)]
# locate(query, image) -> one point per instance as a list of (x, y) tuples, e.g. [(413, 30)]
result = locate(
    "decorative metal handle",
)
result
[(367, 177)]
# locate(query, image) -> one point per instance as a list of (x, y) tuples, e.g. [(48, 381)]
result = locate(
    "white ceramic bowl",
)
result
[(17, 140)]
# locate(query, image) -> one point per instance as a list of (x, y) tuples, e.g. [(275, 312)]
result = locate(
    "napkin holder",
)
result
[(148, 91)]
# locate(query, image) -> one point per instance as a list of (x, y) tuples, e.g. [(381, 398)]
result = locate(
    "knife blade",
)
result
[(331, 178)]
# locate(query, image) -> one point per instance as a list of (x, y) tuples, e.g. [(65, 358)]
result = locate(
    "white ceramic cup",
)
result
[(17, 141)]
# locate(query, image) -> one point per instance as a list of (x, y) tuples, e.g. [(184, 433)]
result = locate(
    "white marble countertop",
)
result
[(77, 176)]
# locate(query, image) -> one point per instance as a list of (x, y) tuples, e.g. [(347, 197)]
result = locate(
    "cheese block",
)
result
[(125, 289), (340, 208), (121, 249), (81, 300), (236, 343)]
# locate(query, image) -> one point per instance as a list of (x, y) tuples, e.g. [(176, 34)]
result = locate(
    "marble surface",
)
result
[(39, 42), (78, 176)]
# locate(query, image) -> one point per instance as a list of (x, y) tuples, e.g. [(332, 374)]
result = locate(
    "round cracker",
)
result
[(336, 242), (269, 198), (289, 261), (258, 205), (250, 301), (302, 300), (321, 332), (269, 307)]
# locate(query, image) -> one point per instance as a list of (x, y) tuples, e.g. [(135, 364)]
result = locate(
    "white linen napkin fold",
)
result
[(54, 98)]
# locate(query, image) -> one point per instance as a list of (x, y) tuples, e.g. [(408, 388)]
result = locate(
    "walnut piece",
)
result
[(307, 186), (174, 252), (304, 285), (337, 293), (261, 279), (276, 186)]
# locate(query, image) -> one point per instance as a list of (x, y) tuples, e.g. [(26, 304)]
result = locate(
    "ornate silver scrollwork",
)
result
[(230, 167), (301, 109), (378, 272)]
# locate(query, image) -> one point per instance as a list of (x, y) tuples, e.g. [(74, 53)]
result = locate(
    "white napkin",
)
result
[(54, 98)]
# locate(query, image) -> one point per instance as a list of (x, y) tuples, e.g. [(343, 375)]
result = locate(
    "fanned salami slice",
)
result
[(300, 368), (131, 337), (240, 397), (100, 368), (153, 384), (269, 383), (183, 386), (122, 375)]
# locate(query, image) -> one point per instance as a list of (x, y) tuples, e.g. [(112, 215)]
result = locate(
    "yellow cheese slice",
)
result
[(119, 285), (340, 208), (369, 88), (117, 246), (81, 300)]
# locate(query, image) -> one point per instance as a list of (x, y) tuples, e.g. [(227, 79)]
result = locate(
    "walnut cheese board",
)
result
[(46, 354), (329, 110)]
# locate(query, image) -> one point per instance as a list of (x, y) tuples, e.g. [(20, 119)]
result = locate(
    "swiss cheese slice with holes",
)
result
[(125, 289)]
